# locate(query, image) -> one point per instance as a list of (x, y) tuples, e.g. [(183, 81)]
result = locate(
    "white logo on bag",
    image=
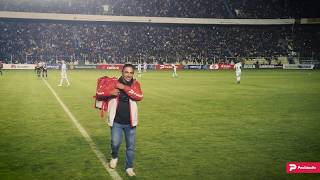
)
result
[(292, 167)]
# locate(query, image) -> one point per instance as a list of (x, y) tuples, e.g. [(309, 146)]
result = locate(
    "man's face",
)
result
[(127, 73)]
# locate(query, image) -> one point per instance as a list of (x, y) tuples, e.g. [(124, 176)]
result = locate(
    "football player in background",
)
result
[(44, 69), (238, 67), (139, 70), (38, 68), (1, 67), (174, 73), (64, 73), (145, 66)]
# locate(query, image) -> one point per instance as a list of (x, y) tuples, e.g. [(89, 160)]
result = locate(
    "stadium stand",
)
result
[(117, 42), (247, 9)]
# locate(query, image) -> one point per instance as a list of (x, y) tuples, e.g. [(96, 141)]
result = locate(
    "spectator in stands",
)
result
[(165, 8), (25, 41)]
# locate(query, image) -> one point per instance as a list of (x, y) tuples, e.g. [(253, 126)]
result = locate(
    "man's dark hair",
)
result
[(127, 65)]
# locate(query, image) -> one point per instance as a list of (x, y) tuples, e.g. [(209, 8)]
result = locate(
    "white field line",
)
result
[(86, 136)]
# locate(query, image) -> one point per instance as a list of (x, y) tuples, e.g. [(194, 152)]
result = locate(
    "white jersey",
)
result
[(64, 70), (64, 67), (174, 68), (139, 68), (238, 67), (44, 66), (64, 74), (40, 64), (145, 67)]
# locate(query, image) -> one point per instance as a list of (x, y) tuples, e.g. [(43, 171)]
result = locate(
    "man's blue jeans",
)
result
[(116, 139)]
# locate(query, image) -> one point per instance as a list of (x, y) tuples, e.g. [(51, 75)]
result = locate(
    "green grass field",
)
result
[(198, 126)]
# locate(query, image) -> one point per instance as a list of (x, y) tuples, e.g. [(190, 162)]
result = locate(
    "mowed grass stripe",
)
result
[(37, 140), (86, 136)]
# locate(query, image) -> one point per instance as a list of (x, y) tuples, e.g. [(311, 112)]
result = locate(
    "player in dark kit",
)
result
[(1, 66), (38, 69), (44, 69)]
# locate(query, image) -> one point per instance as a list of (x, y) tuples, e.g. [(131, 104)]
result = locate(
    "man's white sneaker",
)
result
[(59, 85), (113, 163), (130, 172)]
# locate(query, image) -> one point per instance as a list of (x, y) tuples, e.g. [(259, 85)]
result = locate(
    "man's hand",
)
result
[(115, 92), (120, 85)]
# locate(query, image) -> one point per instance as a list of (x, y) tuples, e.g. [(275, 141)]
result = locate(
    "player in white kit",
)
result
[(144, 67), (174, 73), (238, 67), (64, 74), (139, 70)]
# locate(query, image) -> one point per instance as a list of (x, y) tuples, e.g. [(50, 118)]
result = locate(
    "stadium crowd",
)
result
[(168, 8), (29, 41)]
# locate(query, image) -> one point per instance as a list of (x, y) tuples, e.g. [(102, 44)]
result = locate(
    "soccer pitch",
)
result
[(201, 125)]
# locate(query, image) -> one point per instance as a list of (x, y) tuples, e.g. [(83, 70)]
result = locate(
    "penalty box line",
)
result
[(86, 136)]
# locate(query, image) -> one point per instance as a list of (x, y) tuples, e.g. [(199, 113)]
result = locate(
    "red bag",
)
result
[(104, 86)]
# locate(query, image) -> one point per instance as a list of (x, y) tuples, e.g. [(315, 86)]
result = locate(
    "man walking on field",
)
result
[(123, 115), (139, 70), (174, 73), (64, 73), (145, 67), (238, 67)]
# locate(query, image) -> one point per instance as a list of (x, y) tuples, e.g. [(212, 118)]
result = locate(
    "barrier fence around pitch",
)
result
[(160, 67)]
